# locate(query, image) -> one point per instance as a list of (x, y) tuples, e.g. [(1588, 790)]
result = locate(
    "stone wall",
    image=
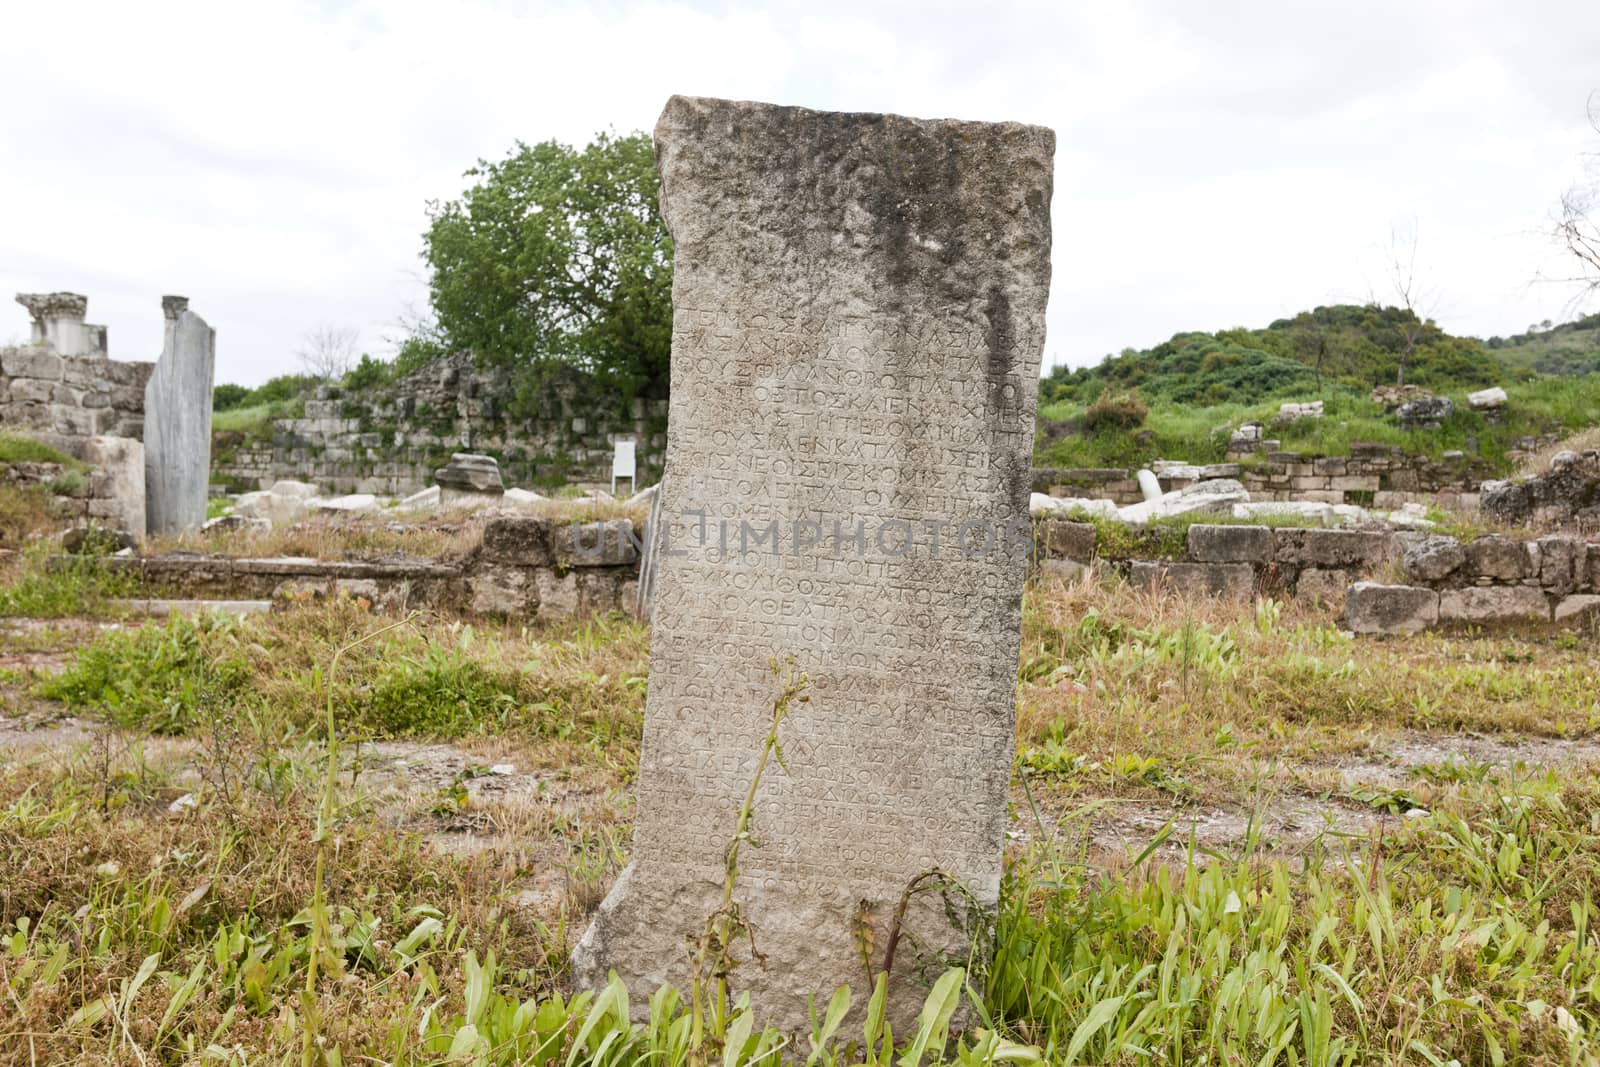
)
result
[(1373, 474), (108, 492), (1225, 560), (524, 567), (391, 440), (1489, 581), (65, 400), (1427, 580)]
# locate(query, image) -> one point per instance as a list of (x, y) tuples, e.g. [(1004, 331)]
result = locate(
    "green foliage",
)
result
[(14, 448), (1485, 923), (251, 411), (558, 256), (1570, 349), (1357, 347), (1200, 434), (369, 373), (227, 396), (440, 693), (73, 586), (25, 510), (163, 679), (283, 388), (1115, 411)]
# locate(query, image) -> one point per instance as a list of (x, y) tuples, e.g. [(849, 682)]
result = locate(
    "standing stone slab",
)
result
[(177, 427), (858, 312)]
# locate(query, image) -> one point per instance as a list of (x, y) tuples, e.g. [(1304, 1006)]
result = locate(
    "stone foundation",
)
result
[(527, 568), (389, 441)]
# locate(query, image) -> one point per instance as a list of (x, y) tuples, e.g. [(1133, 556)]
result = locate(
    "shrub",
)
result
[(24, 511), (158, 678), (228, 395), (1115, 411)]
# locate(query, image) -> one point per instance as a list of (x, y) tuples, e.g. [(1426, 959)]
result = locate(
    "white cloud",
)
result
[(1219, 164)]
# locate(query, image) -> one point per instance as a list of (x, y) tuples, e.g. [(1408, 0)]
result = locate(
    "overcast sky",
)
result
[(1218, 164)]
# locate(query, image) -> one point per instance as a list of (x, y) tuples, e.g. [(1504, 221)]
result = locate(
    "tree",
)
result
[(1403, 277), (558, 256), (1577, 227), (328, 352)]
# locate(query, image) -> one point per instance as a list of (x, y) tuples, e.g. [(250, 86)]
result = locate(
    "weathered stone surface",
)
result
[(594, 544), (1041, 505), (1487, 399), (1427, 411), (470, 473), (1577, 606), (1358, 549), (828, 264), (1499, 559), (1149, 486), (177, 428), (118, 480), (37, 364), (1292, 412), (291, 488), (1432, 559), (270, 505), (509, 591), (517, 539), (1561, 563), (1230, 544), (1372, 608), (1060, 539), (1215, 497), (1323, 586), (1228, 580), (1569, 491), (1494, 603)]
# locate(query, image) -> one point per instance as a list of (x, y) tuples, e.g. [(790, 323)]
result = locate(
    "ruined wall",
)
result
[(391, 440), (1359, 478), (1385, 581), (524, 568), (68, 399), (1444, 582)]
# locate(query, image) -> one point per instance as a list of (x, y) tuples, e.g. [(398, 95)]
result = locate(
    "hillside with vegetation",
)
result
[(1182, 398)]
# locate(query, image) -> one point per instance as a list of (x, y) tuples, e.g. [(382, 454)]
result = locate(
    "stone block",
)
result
[(518, 539), (118, 480), (1372, 608), (1235, 581), (1582, 606), (557, 592), (506, 591), (177, 428), (882, 228), (610, 543), (1498, 559), (32, 391), (31, 362), (1323, 586), (1060, 539), (1494, 603), (1342, 549), (74, 421), (1432, 558), (1230, 544), (1561, 563)]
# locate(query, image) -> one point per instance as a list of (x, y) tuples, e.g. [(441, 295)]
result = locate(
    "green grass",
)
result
[(129, 933), (1200, 435), (79, 585), (255, 420), (15, 448)]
